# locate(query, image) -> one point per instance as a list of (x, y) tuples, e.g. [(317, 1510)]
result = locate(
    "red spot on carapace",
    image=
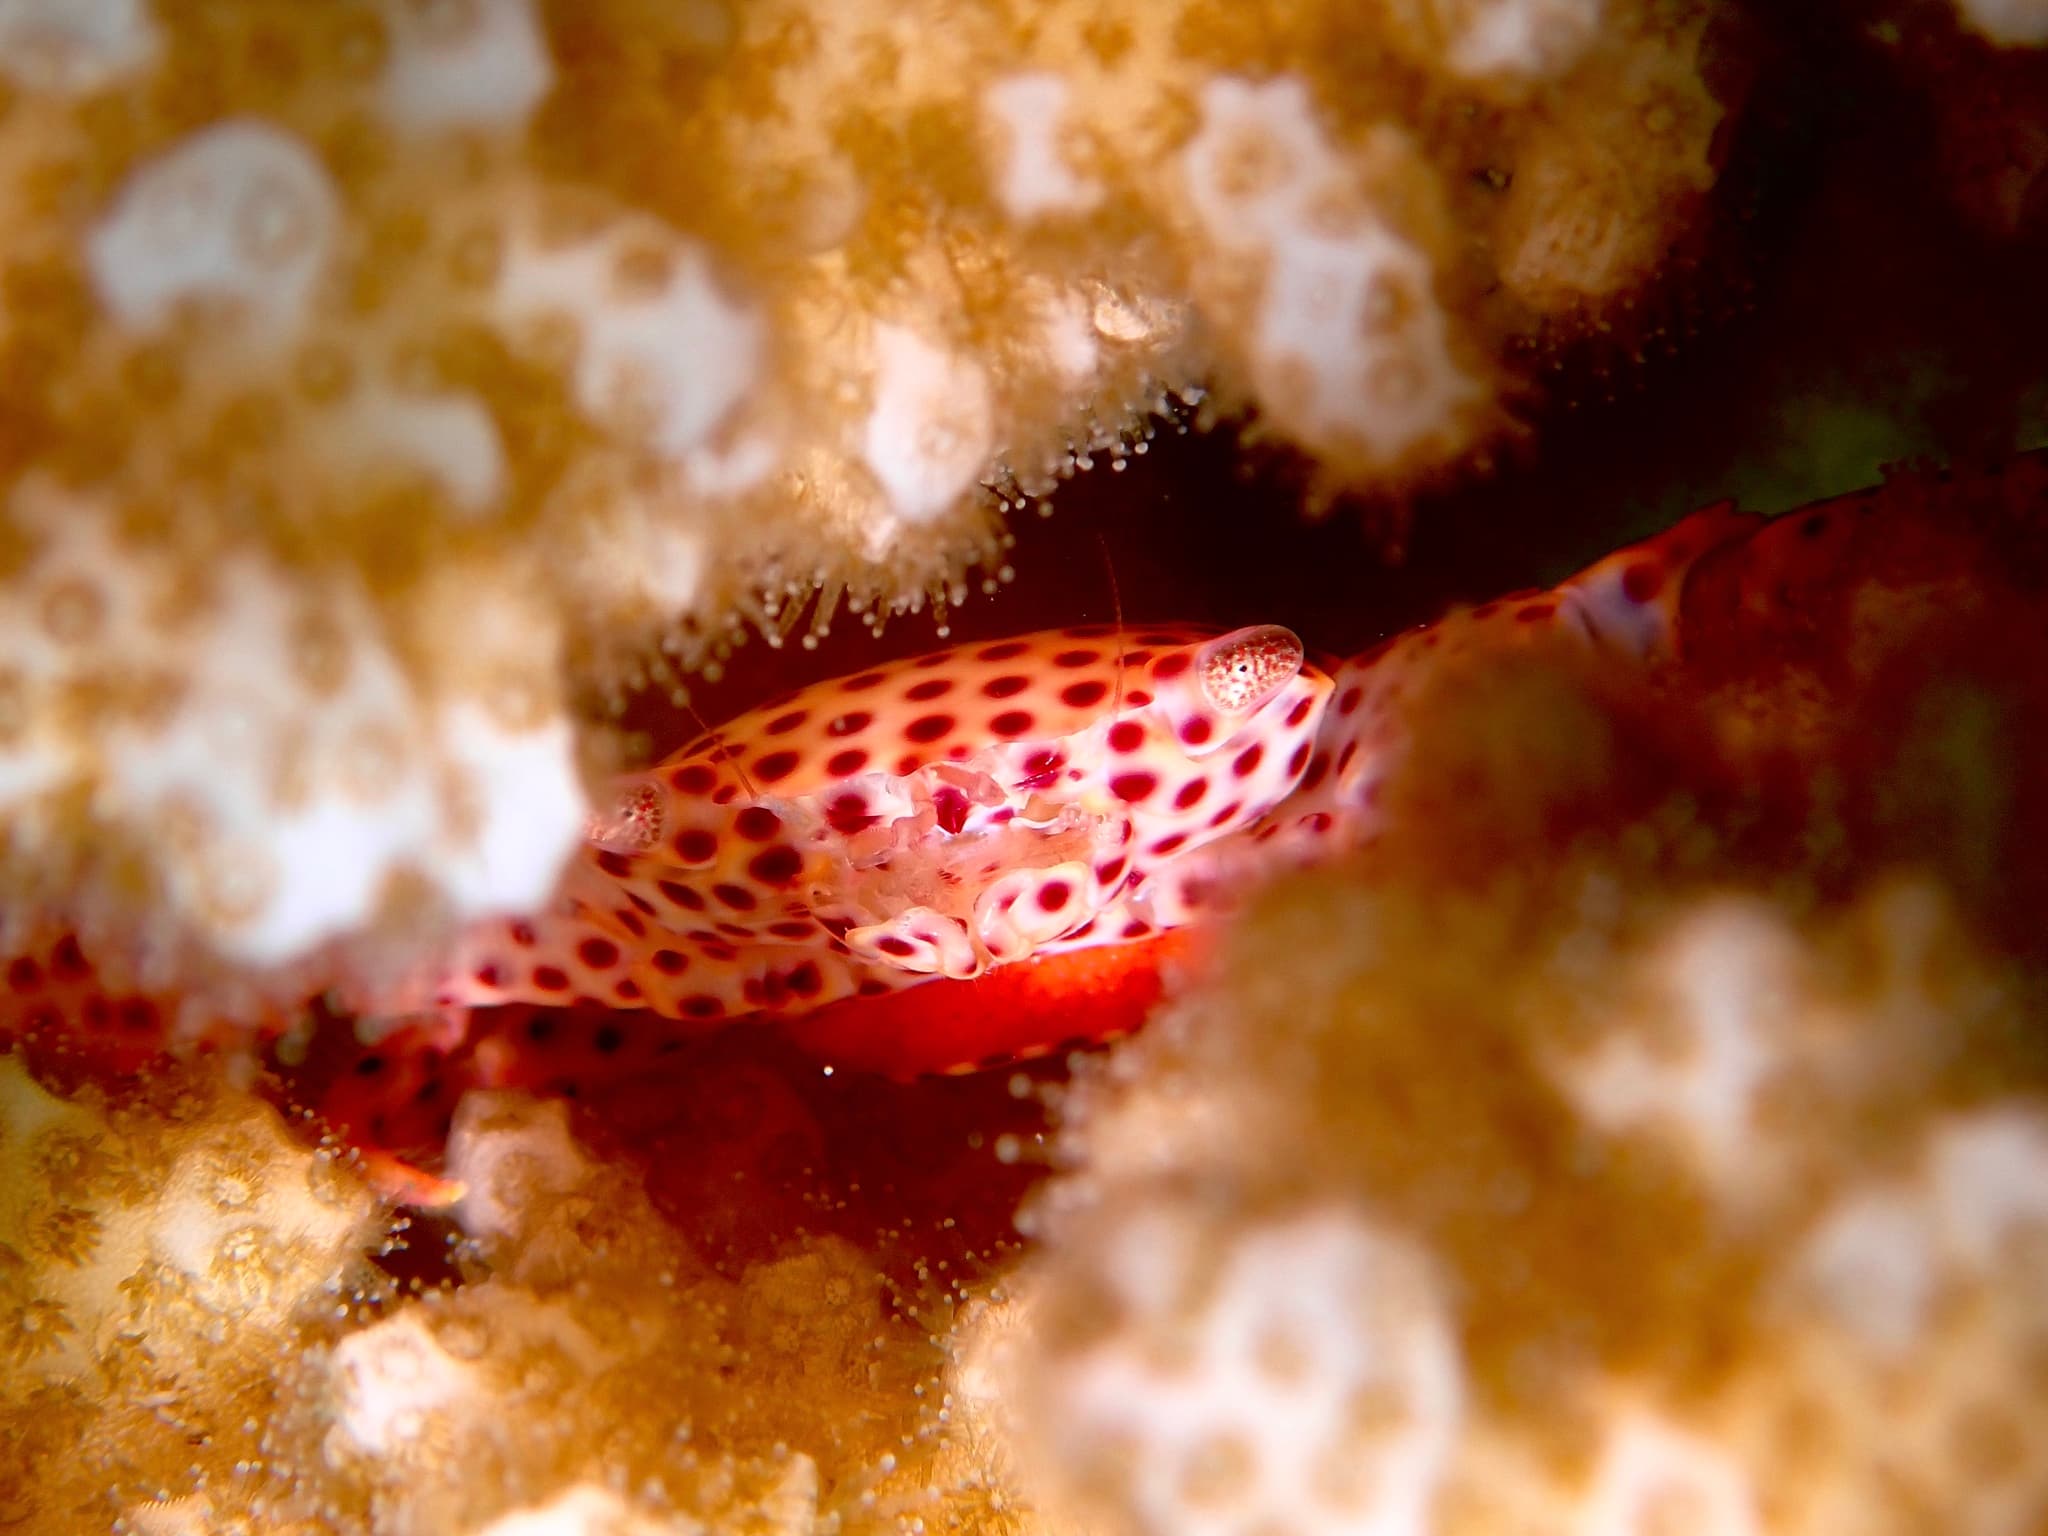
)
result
[(889, 944), (931, 688), (1349, 700), (757, 823), (1003, 650), (848, 814), (23, 974), (804, 981), (1076, 658), (1126, 736), (782, 725), (736, 897), (1196, 729), (670, 962), (1133, 786), (776, 866), (1041, 768), (1172, 664), (850, 724), (1642, 581), (598, 954), (1298, 761), (694, 845), (1170, 844), (1005, 687), (1226, 813), (1111, 872), (550, 978), (617, 865), (683, 896), (928, 728), (1300, 711), (67, 960), (845, 764), (1190, 794), (1011, 722), (522, 934), (776, 765), (1248, 761), (1535, 613), (860, 682), (1084, 695), (1054, 894), (694, 779), (701, 1005)]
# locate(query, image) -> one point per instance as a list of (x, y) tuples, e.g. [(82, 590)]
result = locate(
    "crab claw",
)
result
[(1031, 907), (920, 940)]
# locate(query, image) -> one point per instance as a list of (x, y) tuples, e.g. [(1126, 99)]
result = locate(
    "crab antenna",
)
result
[(1116, 605), (721, 753)]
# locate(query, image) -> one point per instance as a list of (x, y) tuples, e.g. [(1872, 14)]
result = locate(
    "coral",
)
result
[(159, 1255), (210, 1309), (385, 380), (591, 1351), (1614, 1152)]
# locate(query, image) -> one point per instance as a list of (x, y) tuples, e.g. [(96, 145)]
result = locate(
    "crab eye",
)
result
[(1241, 670)]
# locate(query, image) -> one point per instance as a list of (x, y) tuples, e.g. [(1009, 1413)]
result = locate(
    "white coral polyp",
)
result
[(1349, 348), (1317, 1386), (1033, 178), (479, 64), (1518, 39), (1973, 1211), (1729, 983), (660, 348), (1257, 159), (1654, 1477), (931, 430), (289, 767), (1872, 1264), (586, 1509), (509, 1152), (392, 1378), (1989, 1175), (241, 214), (74, 46), (449, 438)]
